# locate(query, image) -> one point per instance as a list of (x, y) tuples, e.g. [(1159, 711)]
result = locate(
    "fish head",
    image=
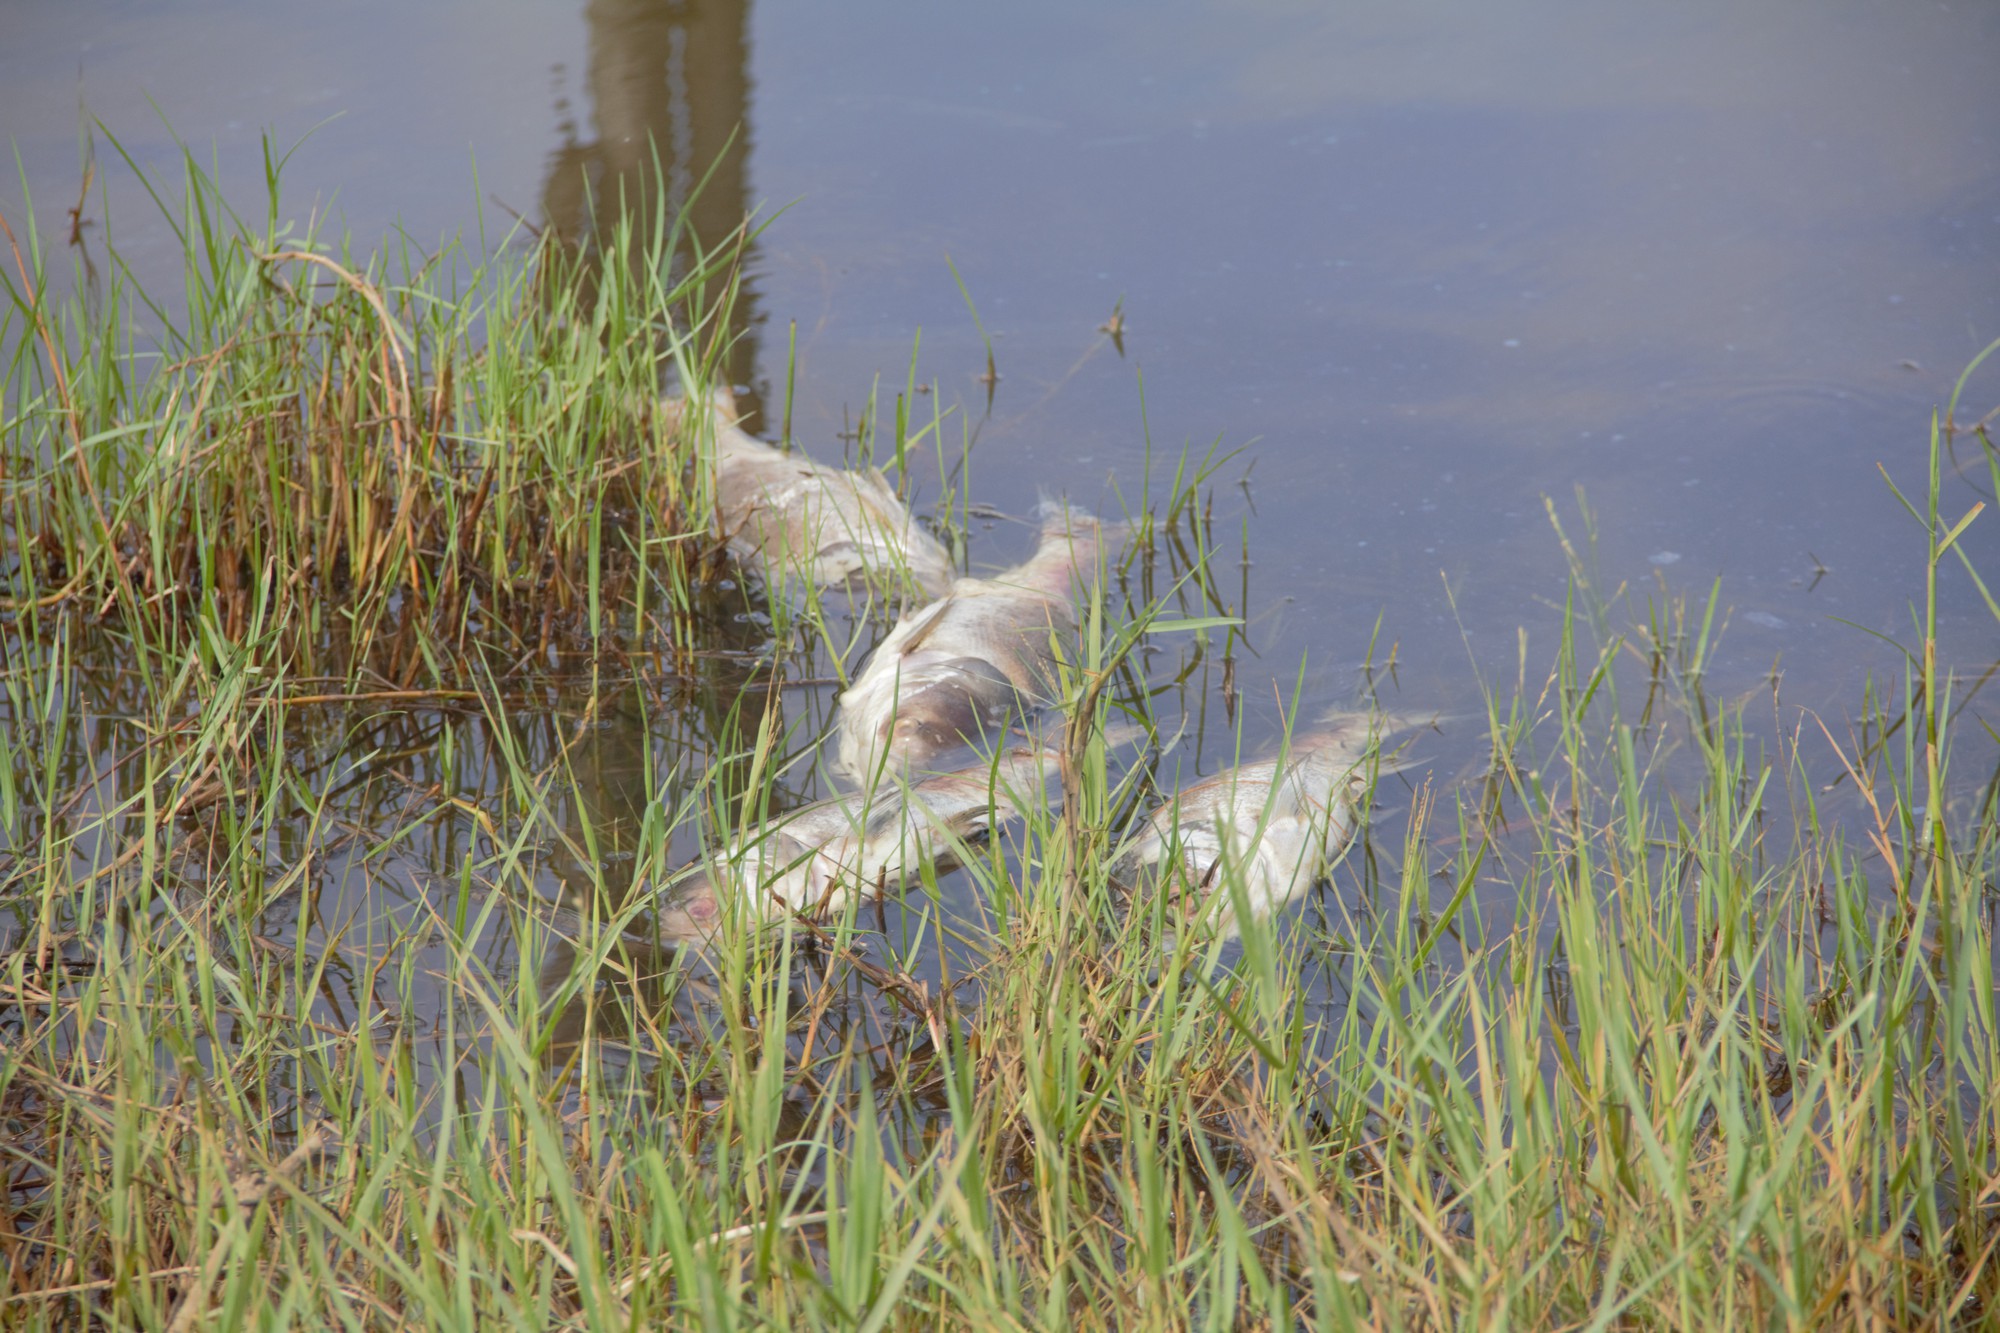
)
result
[(928, 729), (970, 705), (770, 875), (920, 740), (691, 909), (784, 871)]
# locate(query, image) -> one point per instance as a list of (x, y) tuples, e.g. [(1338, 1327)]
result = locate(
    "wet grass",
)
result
[(336, 1012)]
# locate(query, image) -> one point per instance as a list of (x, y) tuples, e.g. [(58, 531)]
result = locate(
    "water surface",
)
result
[(1425, 268)]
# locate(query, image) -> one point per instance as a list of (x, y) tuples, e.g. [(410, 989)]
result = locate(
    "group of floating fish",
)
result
[(936, 738)]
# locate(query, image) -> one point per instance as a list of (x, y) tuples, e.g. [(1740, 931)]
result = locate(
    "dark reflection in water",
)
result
[(669, 85)]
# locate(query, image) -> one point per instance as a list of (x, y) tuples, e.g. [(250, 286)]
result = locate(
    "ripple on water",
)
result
[(1750, 401)]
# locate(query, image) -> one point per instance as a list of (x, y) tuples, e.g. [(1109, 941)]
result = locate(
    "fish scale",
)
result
[(784, 515), (1270, 828), (956, 671), (817, 858)]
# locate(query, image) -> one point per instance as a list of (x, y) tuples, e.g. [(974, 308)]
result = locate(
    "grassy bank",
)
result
[(342, 1012), (395, 461)]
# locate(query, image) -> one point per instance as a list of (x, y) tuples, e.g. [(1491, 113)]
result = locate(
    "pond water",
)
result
[(1421, 265)]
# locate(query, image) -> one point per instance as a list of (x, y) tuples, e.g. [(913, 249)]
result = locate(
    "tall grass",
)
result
[(322, 1013), (381, 457)]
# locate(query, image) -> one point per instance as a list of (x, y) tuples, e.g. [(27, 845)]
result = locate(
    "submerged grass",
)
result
[(1645, 1030)]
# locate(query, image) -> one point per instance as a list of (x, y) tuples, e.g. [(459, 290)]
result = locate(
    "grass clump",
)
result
[(382, 458), (348, 1013)]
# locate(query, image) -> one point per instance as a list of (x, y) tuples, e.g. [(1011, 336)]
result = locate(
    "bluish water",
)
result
[(1427, 268), (1426, 263)]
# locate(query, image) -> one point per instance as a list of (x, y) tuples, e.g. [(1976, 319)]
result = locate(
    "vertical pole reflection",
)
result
[(669, 81)]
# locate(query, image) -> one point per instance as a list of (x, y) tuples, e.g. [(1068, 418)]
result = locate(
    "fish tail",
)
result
[(1381, 723), (1362, 731), (1056, 513), (1060, 519), (679, 413)]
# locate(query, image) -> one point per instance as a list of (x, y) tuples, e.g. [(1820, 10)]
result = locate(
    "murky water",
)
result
[(1421, 265)]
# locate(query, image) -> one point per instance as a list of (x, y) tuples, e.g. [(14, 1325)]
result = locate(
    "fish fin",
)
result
[(927, 619), (874, 479), (1049, 505)]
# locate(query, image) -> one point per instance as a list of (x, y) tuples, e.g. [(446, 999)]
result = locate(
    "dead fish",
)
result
[(1278, 824), (783, 513), (965, 666), (859, 844)]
